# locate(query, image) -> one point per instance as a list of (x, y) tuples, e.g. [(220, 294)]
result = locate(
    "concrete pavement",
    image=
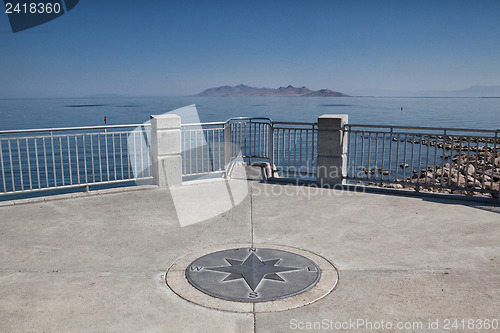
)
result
[(97, 263)]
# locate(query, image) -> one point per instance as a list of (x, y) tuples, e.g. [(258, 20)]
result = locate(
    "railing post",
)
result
[(166, 150), (495, 150), (332, 148), (270, 142), (250, 142), (228, 147)]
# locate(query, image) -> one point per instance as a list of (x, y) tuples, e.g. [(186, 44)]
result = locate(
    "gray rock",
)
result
[(468, 170), (393, 186)]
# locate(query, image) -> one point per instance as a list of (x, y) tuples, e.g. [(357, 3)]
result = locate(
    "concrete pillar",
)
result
[(166, 150), (332, 150), (228, 145), (270, 140)]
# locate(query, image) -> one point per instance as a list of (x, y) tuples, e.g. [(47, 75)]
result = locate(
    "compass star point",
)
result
[(253, 270), (274, 276)]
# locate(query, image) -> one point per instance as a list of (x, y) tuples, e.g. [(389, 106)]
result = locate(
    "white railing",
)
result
[(290, 147), (57, 158), (202, 147), (249, 137), (458, 160), (294, 149)]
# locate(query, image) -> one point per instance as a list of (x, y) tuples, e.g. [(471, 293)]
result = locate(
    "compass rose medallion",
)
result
[(253, 270), (253, 275)]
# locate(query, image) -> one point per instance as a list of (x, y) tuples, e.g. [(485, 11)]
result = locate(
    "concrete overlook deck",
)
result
[(97, 263)]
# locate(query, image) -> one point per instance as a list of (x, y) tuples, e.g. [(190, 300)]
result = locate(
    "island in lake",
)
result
[(246, 91)]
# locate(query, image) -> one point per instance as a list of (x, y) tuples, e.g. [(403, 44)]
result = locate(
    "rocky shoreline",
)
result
[(470, 170)]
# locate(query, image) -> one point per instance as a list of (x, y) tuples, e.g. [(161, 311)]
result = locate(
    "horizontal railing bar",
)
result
[(423, 128), (245, 118), (293, 123), (270, 120), (203, 129), (248, 118), (424, 134), (69, 135), (71, 128), (468, 189), (227, 121), (203, 124), (76, 185)]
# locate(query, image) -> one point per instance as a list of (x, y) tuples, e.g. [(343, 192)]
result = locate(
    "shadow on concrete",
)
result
[(483, 203)]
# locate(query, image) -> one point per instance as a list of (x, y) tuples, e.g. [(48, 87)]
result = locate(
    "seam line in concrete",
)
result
[(254, 319), (251, 215), (252, 236)]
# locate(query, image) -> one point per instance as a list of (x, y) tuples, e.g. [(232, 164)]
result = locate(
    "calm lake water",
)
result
[(435, 112), (55, 156)]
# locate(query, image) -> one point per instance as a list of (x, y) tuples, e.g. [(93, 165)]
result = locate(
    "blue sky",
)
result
[(170, 48)]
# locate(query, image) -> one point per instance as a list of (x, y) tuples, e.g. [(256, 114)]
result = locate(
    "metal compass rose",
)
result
[(253, 270), (253, 275)]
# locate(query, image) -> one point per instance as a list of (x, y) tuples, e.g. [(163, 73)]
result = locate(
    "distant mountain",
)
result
[(325, 93), (246, 91)]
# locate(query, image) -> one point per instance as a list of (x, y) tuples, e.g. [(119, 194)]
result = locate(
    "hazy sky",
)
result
[(165, 48)]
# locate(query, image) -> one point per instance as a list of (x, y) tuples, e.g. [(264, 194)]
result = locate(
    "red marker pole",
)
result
[(105, 120)]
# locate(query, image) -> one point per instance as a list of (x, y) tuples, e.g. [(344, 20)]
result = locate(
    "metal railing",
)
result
[(202, 147), (58, 158), (294, 149), (210, 147), (249, 137), (290, 147), (457, 160)]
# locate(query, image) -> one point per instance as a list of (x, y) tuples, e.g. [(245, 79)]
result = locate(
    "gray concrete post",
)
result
[(228, 146), (166, 150), (332, 150), (270, 140)]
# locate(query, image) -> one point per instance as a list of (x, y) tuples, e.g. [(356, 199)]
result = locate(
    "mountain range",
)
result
[(246, 91)]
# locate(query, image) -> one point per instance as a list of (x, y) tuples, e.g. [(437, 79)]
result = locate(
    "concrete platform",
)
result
[(97, 263)]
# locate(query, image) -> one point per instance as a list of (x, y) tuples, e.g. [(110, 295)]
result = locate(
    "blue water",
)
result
[(479, 113), (435, 112)]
